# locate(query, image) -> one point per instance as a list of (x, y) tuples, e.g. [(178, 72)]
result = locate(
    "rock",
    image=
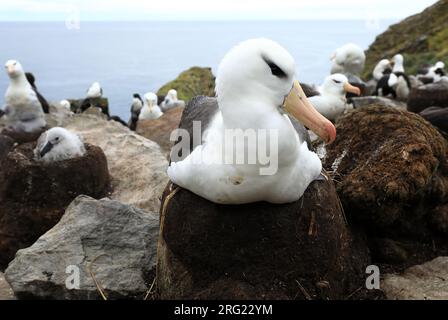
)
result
[(190, 83), (81, 105), (136, 164), (363, 102), (159, 130), (115, 242), (421, 38), (370, 87), (438, 117), (6, 292), (257, 251), (392, 170), (428, 281), (58, 116), (34, 195), (429, 95)]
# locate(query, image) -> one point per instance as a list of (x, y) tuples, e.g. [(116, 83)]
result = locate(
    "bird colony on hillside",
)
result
[(256, 88)]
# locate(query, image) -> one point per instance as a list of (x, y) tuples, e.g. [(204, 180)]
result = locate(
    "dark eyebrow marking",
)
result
[(275, 69)]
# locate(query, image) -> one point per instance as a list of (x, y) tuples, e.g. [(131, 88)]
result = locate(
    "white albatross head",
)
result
[(384, 64), (95, 90), (58, 144), (337, 84), (172, 95), (349, 53), (439, 65), (397, 62), (65, 104), (260, 74), (150, 99), (14, 69)]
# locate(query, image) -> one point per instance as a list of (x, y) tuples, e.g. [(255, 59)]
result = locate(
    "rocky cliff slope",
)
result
[(422, 38)]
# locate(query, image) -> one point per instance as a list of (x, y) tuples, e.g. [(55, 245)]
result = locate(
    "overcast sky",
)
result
[(208, 9)]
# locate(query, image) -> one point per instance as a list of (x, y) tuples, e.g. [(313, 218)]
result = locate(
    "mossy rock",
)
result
[(421, 38), (195, 81)]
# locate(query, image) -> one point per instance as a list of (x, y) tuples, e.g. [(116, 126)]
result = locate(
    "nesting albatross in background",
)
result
[(150, 109), (171, 101), (94, 91), (254, 84), (58, 144), (348, 59), (331, 102), (23, 111)]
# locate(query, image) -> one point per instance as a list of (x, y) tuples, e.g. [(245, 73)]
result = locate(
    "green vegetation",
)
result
[(422, 38), (190, 83)]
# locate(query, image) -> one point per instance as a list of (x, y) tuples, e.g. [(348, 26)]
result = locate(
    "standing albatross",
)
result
[(255, 83), (23, 111)]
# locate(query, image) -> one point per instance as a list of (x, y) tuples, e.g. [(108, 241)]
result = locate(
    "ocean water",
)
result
[(128, 57)]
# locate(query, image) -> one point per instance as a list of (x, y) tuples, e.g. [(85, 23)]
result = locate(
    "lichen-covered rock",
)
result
[(34, 195), (428, 281), (159, 130), (429, 95), (105, 240), (391, 167), (421, 38), (137, 165), (193, 82)]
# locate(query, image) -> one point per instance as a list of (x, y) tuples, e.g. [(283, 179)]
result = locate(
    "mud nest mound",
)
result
[(23, 137), (6, 144), (34, 195), (302, 250), (391, 170)]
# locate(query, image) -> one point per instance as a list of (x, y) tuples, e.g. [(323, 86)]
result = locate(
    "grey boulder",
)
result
[(102, 241), (428, 281), (363, 102)]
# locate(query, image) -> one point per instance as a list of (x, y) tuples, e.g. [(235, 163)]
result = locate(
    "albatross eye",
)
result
[(275, 69), (336, 81)]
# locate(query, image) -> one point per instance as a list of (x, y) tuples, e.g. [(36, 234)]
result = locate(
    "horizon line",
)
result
[(200, 20)]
